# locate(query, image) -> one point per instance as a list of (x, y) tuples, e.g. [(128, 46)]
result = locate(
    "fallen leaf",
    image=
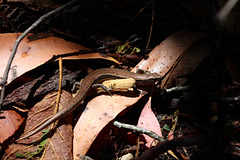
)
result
[(97, 114), (148, 120), (9, 124), (61, 141), (31, 54), (60, 144), (164, 56), (187, 64)]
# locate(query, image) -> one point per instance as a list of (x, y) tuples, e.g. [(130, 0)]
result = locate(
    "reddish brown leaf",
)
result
[(59, 145), (9, 123), (148, 120), (61, 142)]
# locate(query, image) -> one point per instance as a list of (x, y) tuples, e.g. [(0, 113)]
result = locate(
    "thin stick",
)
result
[(60, 85), (14, 50), (176, 89), (138, 129), (151, 28)]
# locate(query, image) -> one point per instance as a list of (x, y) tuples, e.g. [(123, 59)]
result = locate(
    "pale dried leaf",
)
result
[(164, 56), (98, 113), (31, 54)]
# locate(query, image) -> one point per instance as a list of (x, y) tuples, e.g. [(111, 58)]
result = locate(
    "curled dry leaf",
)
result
[(37, 114), (187, 64), (168, 53), (9, 124)]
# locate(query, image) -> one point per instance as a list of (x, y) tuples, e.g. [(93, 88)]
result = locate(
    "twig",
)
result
[(189, 140), (141, 10), (138, 129), (14, 50), (176, 89), (151, 28)]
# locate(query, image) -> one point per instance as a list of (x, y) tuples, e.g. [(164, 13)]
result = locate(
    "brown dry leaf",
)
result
[(31, 54), (187, 64), (148, 120), (9, 123), (98, 113), (37, 114), (59, 145), (167, 53)]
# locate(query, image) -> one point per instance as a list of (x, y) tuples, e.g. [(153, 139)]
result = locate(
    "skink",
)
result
[(93, 78)]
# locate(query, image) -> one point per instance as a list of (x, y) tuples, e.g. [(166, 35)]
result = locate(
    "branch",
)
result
[(42, 18), (184, 141), (138, 129)]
